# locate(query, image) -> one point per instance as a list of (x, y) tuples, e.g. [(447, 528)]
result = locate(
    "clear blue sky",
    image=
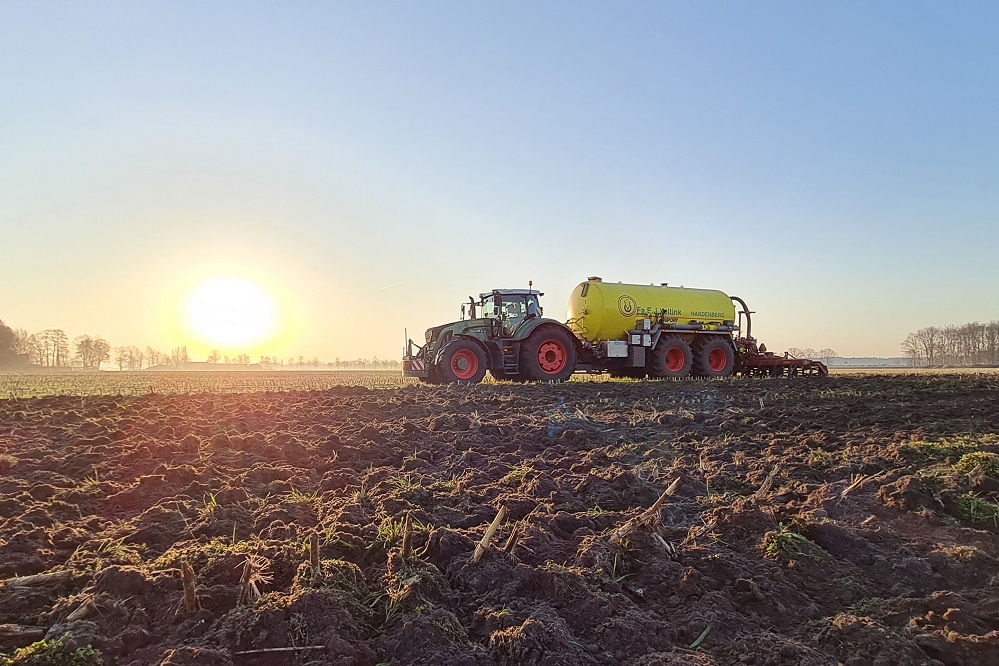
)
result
[(834, 164)]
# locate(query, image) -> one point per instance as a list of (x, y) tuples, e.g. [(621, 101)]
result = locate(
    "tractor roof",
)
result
[(512, 292)]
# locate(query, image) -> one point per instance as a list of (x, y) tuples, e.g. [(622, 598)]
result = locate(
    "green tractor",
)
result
[(505, 333)]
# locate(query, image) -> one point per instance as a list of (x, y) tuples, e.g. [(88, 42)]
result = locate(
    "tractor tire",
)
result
[(671, 359), (714, 357), (462, 362), (549, 355)]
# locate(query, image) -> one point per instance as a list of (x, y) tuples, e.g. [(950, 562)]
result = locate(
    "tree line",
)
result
[(969, 344), (52, 349)]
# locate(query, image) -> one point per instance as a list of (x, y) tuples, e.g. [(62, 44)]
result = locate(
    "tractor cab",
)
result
[(509, 308)]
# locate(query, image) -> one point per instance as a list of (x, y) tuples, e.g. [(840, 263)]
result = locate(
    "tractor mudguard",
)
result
[(530, 325)]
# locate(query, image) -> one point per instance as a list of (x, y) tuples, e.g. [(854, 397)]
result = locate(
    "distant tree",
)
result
[(929, 340), (27, 346), (214, 356), (121, 357), (913, 350), (153, 357), (826, 354), (134, 358), (8, 345), (91, 352), (992, 343), (179, 355), (53, 348)]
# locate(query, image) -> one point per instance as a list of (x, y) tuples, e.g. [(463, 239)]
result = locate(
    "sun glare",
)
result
[(230, 313)]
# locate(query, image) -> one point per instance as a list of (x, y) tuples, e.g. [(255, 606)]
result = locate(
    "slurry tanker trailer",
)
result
[(626, 330)]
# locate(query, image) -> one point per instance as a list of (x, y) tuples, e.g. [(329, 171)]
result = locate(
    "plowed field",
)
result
[(848, 520)]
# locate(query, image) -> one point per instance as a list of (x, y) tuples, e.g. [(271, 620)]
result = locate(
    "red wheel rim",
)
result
[(717, 360), (464, 364), (551, 357), (674, 359)]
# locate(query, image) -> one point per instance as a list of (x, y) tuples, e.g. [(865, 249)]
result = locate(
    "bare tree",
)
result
[(913, 350), (91, 352), (179, 355), (992, 343), (54, 347), (929, 340), (214, 356)]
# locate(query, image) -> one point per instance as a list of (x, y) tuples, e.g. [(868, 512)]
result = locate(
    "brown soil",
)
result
[(816, 522)]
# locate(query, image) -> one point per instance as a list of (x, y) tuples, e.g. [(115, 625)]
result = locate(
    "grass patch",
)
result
[(516, 475), (951, 447), (405, 483), (784, 541), (987, 462), (53, 653), (973, 507)]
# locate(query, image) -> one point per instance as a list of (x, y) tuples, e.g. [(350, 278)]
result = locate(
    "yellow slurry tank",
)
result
[(601, 310)]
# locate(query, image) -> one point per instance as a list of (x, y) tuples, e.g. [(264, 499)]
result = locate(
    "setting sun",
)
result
[(230, 313)]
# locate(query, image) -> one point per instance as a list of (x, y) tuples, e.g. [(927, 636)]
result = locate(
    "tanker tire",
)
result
[(462, 362), (714, 358), (549, 355), (671, 359)]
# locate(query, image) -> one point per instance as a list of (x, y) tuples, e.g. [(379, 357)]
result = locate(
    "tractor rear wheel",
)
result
[(714, 357), (549, 355), (462, 362), (671, 359)]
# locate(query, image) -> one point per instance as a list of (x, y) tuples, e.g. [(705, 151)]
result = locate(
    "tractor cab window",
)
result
[(488, 309), (533, 307), (514, 312)]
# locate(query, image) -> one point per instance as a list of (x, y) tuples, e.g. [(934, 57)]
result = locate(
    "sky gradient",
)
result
[(372, 164)]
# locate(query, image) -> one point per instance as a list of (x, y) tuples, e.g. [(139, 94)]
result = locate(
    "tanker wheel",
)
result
[(462, 362), (671, 359), (714, 358), (549, 355)]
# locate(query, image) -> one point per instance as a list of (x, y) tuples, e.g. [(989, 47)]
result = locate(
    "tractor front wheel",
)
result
[(462, 362), (549, 356), (671, 359)]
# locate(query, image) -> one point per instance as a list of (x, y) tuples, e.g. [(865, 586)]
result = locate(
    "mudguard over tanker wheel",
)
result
[(671, 359), (714, 357), (549, 355), (462, 362)]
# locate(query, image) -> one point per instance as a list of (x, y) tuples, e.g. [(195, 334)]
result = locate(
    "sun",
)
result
[(231, 313)]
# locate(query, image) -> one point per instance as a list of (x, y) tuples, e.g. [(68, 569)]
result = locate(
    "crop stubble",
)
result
[(849, 520)]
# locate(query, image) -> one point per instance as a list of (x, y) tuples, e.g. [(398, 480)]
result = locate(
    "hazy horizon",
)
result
[(345, 171)]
